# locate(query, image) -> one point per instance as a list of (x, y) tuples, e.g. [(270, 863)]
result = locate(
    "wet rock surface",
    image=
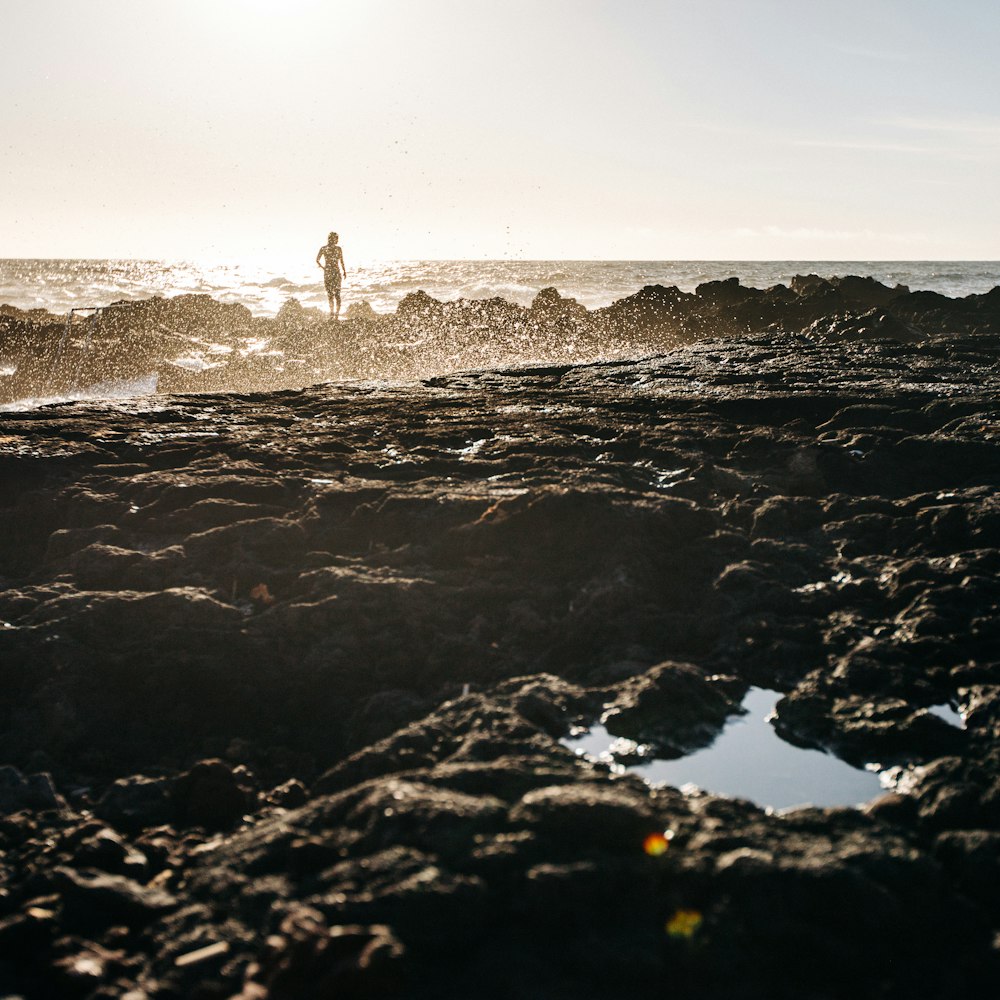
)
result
[(285, 676), (191, 343)]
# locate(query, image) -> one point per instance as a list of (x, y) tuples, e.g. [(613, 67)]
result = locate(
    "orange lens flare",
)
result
[(684, 924), (657, 843)]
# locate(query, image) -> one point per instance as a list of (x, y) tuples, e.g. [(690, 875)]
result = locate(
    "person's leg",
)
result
[(332, 292), (337, 294)]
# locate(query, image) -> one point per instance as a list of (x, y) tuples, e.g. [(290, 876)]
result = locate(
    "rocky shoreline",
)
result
[(191, 343), (286, 672)]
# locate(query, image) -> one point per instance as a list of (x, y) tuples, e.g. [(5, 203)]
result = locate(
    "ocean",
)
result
[(60, 285)]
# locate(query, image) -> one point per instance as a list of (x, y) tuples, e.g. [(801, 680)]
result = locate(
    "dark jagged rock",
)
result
[(864, 727), (191, 343), (673, 708), (867, 292), (419, 306), (210, 795), (32, 791), (94, 900), (133, 803), (309, 959), (723, 294), (549, 306), (300, 662)]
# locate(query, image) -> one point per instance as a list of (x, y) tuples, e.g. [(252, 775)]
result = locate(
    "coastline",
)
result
[(287, 670), (192, 343), (264, 286)]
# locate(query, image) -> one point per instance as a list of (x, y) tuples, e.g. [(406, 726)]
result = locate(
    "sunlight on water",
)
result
[(201, 334), (195, 363), (116, 389), (748, 760)]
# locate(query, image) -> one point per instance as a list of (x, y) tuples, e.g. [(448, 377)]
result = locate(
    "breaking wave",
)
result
[(59, 285)]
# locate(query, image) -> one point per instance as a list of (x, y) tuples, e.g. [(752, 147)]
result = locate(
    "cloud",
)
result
[(973, 128), (886, 55), (802, 233), (946, 150), (869, 145)]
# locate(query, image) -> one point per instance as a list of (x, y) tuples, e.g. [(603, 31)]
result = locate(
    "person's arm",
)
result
[(342, 265), (318, 255)]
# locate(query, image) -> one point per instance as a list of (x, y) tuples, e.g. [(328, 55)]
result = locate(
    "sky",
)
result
[(532, 129)]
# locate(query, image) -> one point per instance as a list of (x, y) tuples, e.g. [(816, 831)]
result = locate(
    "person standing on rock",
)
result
[(330, 257)]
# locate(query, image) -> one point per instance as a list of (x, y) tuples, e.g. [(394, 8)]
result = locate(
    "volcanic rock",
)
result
[(391, 603)]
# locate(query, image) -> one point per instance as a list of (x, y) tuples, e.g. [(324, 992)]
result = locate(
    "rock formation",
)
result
[(190, 343), (285, 674)]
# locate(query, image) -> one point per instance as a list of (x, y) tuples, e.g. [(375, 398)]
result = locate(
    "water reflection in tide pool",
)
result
[(749, 760), (950, 715)]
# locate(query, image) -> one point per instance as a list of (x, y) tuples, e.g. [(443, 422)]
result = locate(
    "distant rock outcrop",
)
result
[(192, 343)]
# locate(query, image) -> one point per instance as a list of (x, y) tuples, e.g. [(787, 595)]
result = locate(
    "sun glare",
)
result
[(303, 17)]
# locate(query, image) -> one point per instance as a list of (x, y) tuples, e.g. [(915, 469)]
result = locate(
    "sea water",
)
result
[(264, 287), (749, 760), (60, 285)]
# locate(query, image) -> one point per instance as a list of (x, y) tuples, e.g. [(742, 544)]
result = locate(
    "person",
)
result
[(330, 257)]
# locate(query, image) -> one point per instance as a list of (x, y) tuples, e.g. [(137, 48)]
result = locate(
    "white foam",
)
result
[(112, 389), (58, 284)]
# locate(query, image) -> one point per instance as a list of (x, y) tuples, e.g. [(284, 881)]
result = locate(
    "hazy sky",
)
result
[(677, 129)]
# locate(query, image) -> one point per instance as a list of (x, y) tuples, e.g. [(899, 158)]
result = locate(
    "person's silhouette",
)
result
[(330, 257)]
